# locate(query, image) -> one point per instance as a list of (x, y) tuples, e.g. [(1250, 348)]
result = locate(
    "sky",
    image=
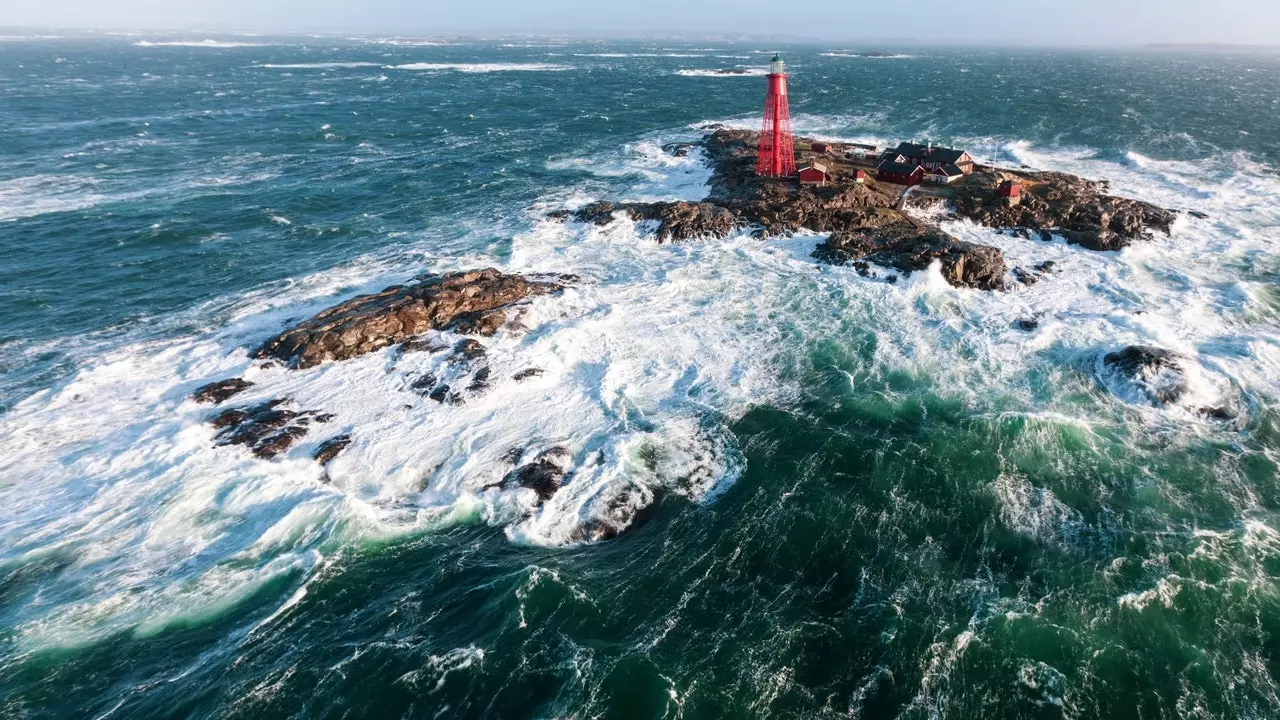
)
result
[(1064, 22)]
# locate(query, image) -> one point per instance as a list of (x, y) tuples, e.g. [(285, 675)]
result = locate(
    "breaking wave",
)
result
[(483, 67), (320, 66), (735, 72), (198, 43)]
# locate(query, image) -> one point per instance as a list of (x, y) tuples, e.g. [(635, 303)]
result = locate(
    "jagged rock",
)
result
[(676, 220), (218, 392), (467, 350), (1078, 208), (1198, 215), (1157, 372), (527, 373), (963, 264), (422, 345), (371, 322), (485, 323), (544, 475), (279, 442), (424, 385), (331, 448), (444, 394), (266, 429), (480, 381), (560, 215), (1027, 324)]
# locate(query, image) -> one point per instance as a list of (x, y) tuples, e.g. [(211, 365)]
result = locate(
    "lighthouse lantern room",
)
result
[(777, 155)]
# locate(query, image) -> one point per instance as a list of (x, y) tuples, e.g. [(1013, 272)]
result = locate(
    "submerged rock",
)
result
[(1034, 275), (476, 301), (1158, 373), (331, 448), (544, 475), (620, 512), (679, 149), (216, 393), (425, 345)]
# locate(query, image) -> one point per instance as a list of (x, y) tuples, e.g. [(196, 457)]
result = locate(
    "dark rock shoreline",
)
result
[(867, 220)]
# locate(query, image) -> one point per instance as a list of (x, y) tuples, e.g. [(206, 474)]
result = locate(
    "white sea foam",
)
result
[(483, 67), (321, 66), (736, 72), (868, 56), (640, 55), (208, 43), (413, 43)]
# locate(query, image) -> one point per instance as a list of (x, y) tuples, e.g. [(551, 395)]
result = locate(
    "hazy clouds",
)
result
[(1065, 21)]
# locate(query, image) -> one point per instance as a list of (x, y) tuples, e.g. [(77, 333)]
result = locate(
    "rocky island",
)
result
[(869, 220)]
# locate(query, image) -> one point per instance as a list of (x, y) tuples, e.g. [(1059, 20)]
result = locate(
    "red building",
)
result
[(860, 176), (1011, 192), (820, 147), (813, 174), (900, 173)]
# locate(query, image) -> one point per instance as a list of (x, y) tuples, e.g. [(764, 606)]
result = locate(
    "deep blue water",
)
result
[(869, 500)]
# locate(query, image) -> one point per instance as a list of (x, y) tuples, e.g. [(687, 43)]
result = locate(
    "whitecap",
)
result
[(483, 67), (735, 72)]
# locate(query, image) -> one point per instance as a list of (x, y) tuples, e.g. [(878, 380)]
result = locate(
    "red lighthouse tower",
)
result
[(777, 154)]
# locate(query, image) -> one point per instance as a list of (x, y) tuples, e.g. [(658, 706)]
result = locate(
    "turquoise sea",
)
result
[(855, 499)]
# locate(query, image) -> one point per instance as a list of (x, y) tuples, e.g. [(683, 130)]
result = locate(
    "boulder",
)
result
[(474, 301)]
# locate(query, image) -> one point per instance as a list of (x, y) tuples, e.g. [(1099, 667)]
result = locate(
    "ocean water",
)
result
[(863, 499)]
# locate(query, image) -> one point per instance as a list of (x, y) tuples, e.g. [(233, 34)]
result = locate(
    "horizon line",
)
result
[(606, 36)]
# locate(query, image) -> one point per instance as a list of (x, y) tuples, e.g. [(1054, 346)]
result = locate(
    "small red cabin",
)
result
[(820, 147), (900, 173), (1010, 189), (860, 176), (813, 174)]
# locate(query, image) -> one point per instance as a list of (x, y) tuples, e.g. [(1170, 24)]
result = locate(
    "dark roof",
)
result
[(898, 168), (950, 169), (936, 154)]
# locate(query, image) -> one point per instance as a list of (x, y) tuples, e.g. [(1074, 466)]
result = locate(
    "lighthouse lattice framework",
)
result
[(777, 152)]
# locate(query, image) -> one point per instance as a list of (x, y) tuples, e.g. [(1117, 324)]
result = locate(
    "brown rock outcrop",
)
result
[(476, 301), (1076, 208), (963, 264)]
